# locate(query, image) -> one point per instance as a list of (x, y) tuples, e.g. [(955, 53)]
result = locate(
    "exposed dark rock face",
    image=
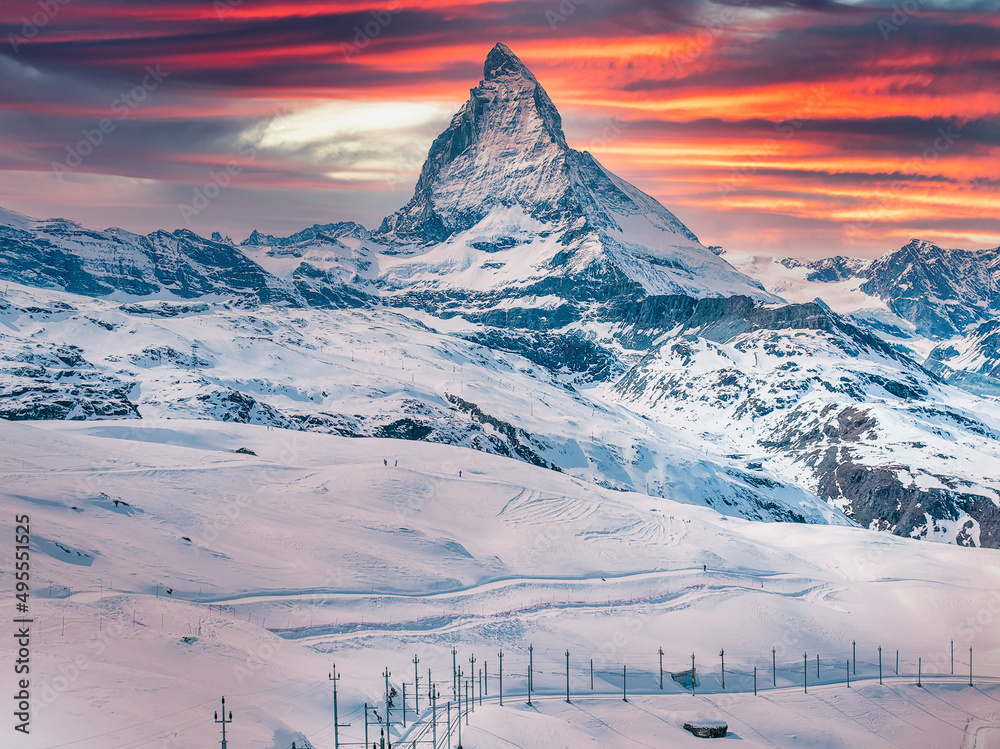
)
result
[(47, 382), (707, 729), (940, 291)]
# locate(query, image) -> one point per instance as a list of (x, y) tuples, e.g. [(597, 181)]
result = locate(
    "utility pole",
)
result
[(920, 668), (754, 681), (388, 703), (774, 669), (952, 657), (486, 682), (847, 665), (366, 725), (501, 678), (529, 686), (472, 675), (817, 664), (722, 655), (624, 683), (335, 677), (693, 674), (591, 674), (434, 716), (460, 719), (223, 722), (449, 726), (970, 665), (567, 675), (661, 668), (854, 657), (880, 665), (416, 687), (531, 668), (805, 673), (454, 673), (404, 704)]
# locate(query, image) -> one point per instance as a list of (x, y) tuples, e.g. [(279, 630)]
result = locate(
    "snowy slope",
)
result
[(834, 409), (169, 570), (364, 373)]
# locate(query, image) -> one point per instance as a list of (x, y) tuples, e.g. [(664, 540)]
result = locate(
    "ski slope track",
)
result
[(250, 575)]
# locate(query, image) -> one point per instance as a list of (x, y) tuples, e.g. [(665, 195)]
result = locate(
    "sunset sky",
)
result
[(789, 127)]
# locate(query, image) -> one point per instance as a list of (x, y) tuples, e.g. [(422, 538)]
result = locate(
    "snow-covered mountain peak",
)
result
[(505, 149), (502, 63)]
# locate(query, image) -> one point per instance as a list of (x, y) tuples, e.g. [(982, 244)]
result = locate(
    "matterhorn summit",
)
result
[(502, 200)]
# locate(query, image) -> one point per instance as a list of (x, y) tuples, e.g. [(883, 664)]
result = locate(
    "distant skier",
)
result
[(460, 474), (704, 568), (385, 462), (396, 463)]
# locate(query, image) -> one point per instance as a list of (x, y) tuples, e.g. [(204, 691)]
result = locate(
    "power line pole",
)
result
[(722, 655), (434, 713), (774, 668), (694, 674), (416, 686), (567, 675), (459, 719), (529, 685), (366, 725), (335, 677), (223, 722), (624, 683), (454, 673), (501, 678), (472, 675), (531, 668), (388, 703), (805, 673), (661, 668)]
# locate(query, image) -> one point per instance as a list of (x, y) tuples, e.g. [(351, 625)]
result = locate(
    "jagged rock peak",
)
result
[(501, 62)]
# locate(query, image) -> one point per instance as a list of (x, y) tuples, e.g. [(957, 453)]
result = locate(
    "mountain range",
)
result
[(527, 302)]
